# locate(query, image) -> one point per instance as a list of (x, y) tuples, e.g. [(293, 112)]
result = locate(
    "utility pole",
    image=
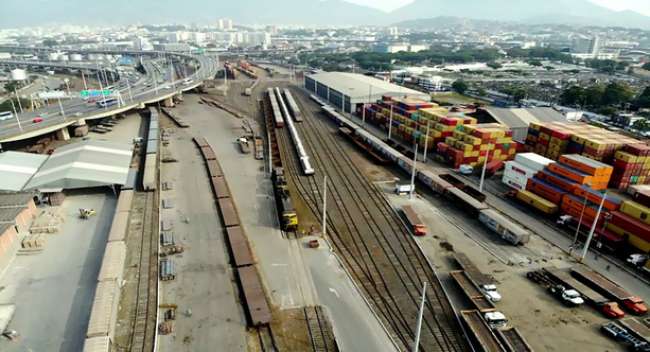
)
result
[(363, 115), (426, 141), (83, 78), (101, 88), (61, 108), (415, 160), (418, 329), (593, 228), (324, 226)]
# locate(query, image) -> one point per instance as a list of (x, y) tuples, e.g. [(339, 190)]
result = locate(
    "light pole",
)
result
[(20, 105), (324, 206), (418, 329), (390, 122), (575, 238), (593, 228), (487, 156), (415, 160), (15, 114), (83, 78), (426, 141)]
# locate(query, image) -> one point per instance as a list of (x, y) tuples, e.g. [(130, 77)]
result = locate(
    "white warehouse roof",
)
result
[(359, 87), (78, 165), (18, 168)]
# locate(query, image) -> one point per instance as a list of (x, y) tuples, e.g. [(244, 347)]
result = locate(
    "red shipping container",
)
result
[(557, 180), (631, 225), (545, 190), (637, 149)]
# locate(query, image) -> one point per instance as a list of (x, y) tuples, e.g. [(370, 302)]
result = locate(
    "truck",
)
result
[(566, 295), (620, 333), (596, 300), (244, 145), (632, 303), (640, 262), (413, 219)]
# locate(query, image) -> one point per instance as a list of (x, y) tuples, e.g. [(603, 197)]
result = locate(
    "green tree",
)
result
[(574, 95), (594, 95), (50, 42), (617, 94), (460, 86), (641, 125), (536, 63), (11, 86), (643, 100), (518, 94), (6, 105), (481, 92), (646, 66), (494, 65)]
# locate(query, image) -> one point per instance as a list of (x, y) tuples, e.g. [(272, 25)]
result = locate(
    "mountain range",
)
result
[(20, 13)]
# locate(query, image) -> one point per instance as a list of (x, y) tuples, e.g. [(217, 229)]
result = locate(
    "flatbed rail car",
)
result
[(463, 186), (563, 277), (471, 291), (275, 109), (512, 340), (636, 328), (257, 309), (610, 289), (472, 271), (291, 102), (504, 227), (465, 201), (482, 336), (354, 139)]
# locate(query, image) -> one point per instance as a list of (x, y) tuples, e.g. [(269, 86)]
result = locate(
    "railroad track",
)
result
[(371, 239), (267, 341), (320, 332), (515, 341), (144, 327)]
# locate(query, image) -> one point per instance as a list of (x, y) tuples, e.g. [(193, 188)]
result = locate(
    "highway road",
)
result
[(157, 84)]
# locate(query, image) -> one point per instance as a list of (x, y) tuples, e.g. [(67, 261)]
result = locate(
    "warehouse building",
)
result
[(349, 91), (79, 165), (518, 119)]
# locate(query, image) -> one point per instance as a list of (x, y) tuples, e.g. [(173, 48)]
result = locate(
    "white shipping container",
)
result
[(533, 161), (513, 167), (515, 183)]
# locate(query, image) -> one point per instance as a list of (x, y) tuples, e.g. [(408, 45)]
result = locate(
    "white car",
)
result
[(491, 293), (6, 115), (496, 320)]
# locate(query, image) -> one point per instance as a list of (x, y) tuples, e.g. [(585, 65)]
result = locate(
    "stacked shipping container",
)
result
[(632, 222), (473, 145), (630, 157), (525, 166)]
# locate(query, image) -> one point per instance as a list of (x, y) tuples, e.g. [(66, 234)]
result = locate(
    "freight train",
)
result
[(286, 211), (463, 195)]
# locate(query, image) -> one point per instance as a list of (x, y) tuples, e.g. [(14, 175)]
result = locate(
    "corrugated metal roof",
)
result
[(97, 344), (85, 164), (522, 117), (358, 86), (18, 168)]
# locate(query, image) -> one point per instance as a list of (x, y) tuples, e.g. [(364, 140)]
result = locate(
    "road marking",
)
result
[(279, 264), (334, 292)]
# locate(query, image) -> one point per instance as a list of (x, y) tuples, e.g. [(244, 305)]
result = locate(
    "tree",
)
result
[(574, 95), (50, 42), (460, 86), (494, 65), (6, 105), (617, 94), (536, 63), (11, 86), (641, 125), (518, 94), (643, 100), (593, 95), (481, 92), (646, 66)]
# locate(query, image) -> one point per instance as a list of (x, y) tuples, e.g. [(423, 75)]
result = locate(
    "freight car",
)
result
[(508, 230), (291, 104), (275, 109), (286, 211), (293, 132), (610, 289)]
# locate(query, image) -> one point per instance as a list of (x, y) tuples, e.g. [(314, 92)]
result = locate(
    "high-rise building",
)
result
[(224, 24), (586, 45)]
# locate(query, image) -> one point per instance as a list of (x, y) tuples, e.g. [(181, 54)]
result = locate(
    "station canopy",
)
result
[(79, 165)]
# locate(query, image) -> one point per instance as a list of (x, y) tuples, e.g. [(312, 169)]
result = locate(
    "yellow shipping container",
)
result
[(636, 211), (639, 243), (537, 202), (504, 140), (471, 140), (486, 147), (615, 229), (627, 157), (543, 137), (535, 126)]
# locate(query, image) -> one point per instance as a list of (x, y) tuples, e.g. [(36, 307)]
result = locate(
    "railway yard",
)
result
[(261, 219)]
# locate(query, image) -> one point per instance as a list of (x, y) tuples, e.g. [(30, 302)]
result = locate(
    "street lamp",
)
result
[(593, 228)]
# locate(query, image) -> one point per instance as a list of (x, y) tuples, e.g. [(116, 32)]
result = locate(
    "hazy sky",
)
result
[(641, 6)]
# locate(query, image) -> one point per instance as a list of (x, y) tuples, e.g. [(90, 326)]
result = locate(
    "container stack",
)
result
[(626, 154), (475, 144), (632, 222), (631, 166), (525, 166)]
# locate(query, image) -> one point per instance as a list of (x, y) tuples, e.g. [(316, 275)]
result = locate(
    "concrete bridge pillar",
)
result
[(169, 102), (178, 97), (63, 134)]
